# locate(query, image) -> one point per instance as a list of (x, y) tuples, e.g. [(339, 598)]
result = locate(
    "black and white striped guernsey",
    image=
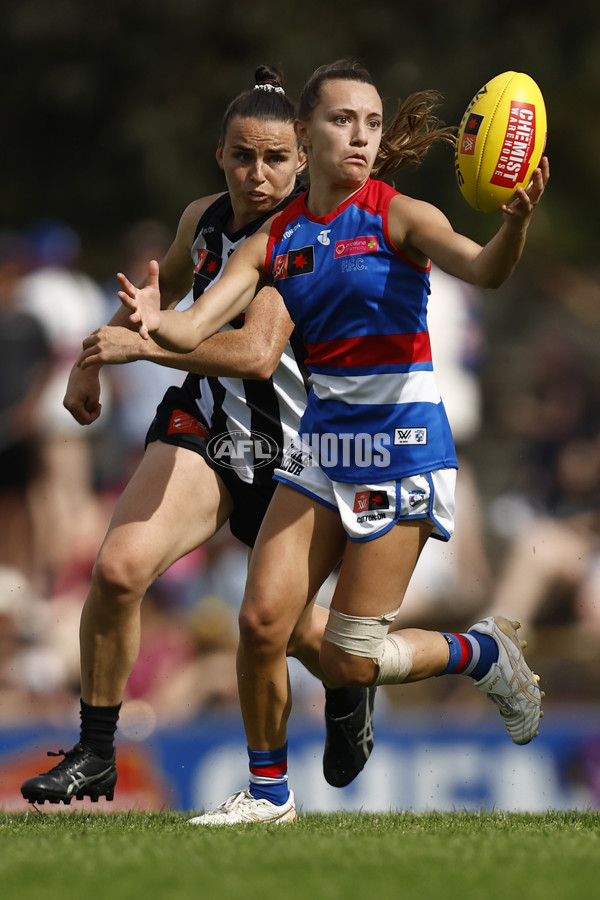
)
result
[(237, 406)]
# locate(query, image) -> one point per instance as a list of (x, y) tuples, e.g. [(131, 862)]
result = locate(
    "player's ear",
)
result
[(219, 154), (301, 132), (302, 160)]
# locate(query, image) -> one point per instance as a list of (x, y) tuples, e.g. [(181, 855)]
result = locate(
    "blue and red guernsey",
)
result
[(360, 308)]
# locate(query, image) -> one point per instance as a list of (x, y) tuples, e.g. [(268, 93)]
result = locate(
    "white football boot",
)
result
[(242, 808), (510, 684)]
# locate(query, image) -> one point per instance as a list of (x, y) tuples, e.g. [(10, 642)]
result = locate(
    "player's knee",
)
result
[(352, 645), (342, 669), (118, 577), (261, 625)]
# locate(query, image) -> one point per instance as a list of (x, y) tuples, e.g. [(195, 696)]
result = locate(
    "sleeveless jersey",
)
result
[(360, 308), (259, 417)]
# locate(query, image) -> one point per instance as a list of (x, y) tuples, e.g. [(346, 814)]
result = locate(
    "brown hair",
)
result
[(407, 138), (268, 103)]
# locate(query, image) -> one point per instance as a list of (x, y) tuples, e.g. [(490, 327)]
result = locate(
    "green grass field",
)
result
[(345, 855)]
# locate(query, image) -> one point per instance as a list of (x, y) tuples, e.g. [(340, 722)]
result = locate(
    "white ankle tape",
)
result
[(396, 660), (359, 635)]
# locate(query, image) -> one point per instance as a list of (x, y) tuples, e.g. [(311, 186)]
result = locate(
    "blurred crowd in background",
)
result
[(525, 416)]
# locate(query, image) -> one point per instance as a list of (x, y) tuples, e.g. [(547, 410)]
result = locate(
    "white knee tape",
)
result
[(358, 635), (395, 661)]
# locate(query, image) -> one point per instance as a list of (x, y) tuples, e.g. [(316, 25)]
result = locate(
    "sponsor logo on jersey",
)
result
[(294, 262), (323, 237), (207, 263), (518, 145), (185, 423), (370, 517), (469, 137), (369, 500), (366, 244), (354, 264), (410, 436), (287, 234)]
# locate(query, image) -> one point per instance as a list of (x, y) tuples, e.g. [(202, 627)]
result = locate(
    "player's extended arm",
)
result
[(184, 331), (423, 227), (251, 351)]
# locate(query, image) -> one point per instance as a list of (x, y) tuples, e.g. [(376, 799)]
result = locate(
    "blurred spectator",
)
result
[(67, 303), (556, 402), (550, 572), (34, 674), (187, 660), (24, 368), (550, 514)]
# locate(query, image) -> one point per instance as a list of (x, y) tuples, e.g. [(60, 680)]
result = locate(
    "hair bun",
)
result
[(268, 75)]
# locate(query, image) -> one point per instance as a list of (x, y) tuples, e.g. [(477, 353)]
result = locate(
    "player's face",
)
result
[(342, 136), (260, 161)]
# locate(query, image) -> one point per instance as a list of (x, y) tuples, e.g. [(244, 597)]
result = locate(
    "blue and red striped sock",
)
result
[(268, 774), (470, 654)]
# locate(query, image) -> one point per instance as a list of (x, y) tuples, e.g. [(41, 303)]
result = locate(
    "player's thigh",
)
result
[(299, 544), (374, 574), (173, 503)]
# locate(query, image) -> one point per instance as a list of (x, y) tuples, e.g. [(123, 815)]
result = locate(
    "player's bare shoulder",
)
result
[(404, 209), (408, 217), (194, 212)]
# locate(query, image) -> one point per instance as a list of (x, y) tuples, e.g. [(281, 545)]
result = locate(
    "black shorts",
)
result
[(179, 422)]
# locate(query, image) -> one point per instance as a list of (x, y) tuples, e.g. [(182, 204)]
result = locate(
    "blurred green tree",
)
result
[(111, 110)]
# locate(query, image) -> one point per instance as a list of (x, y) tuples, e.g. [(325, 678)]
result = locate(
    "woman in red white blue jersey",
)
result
[(366, 337), (374, 414), (361, 307)]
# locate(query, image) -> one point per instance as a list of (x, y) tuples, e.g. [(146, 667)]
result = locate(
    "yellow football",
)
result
[(500, 141)]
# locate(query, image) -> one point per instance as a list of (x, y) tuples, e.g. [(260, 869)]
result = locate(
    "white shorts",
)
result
[(369, 510)]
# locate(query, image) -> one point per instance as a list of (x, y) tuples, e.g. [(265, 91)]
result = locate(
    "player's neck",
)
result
[(324, 199)]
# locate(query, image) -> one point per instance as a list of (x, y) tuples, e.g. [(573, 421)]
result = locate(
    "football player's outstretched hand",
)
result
[(144, 303)]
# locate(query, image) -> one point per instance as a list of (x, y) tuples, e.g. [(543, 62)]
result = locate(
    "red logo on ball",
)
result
[(517, 146)]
